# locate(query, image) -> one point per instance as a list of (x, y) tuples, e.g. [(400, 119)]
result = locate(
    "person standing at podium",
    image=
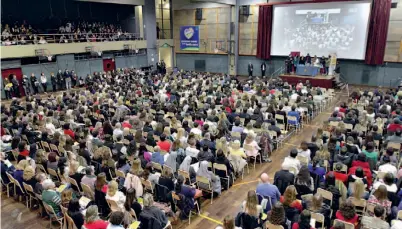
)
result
[(295, 62), (250, 69), (289, 64), (263, 68), (308, 59)]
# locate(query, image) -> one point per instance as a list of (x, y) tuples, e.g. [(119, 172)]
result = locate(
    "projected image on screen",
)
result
[(321, 29)]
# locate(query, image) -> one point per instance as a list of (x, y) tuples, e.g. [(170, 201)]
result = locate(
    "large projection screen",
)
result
[(321, 29)]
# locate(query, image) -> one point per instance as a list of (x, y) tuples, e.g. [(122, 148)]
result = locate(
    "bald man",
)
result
[(266, 189)]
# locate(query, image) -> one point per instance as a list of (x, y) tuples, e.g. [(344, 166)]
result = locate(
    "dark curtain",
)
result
[(377, 37), (264, 32)]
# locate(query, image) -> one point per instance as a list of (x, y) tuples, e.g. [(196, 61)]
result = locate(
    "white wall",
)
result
[(124, 2)]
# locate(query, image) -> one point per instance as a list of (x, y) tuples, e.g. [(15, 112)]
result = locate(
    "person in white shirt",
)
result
[(43, 81), (117, 131), (196, 130), (387, 167), (191, 150), (113, 193), (304, 151), (388, 181), (292, 162), (50, 128)]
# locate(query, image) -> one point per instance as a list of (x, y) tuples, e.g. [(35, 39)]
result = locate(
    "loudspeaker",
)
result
[(245, 10), (198, 14)]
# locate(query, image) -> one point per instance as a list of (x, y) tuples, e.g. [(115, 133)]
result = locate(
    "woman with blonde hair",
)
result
[(228, 223), (114, 194), (29, 177), (222, 144), (358, 191), (132, 178), (250, 205), (182, 137), (289, 198), (237, 157), (250, 146)]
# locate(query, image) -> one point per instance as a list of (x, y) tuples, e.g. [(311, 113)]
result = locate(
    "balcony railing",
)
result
[(7, 40)]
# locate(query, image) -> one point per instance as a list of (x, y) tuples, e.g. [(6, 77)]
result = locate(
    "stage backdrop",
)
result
[(189, 38)]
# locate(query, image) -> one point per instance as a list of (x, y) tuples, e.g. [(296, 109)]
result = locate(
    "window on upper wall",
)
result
[(163, 20)]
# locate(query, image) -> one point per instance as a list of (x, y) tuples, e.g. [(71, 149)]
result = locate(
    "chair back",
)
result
[(147, 185), (399, 216), (303, 160), (273, 226), (360, 206), (49, 209), (132, 213), (54, 148), (120, 174), (53, 173), (292, 118), (74, 183), (380, 175), (88, 192), (248, 147), (203, 183), (28, 188), (113, 205), (396, 146), (45, 146), (220, 167), (185, 174), (370, 209), (347, 225), (344, 167), (70, 222), (326, 195), (41, 168), (167, 169), (318, 217), (157, 166)]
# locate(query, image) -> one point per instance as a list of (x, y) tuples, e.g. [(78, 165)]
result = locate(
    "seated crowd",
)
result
[(70, 32), (141, 148), (348, 176)]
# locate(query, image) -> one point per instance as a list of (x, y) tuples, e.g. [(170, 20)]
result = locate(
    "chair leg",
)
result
[(212, 196)]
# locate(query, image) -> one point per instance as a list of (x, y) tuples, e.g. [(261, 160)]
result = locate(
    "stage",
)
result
[(316, 81)]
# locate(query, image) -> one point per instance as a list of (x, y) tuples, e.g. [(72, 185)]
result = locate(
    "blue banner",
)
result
[(190, 38)]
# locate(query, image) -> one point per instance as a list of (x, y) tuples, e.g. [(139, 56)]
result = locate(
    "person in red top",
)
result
[(339, 175), (361, 161), (92, 220), (304, 221), (163, 144), (68, 131), (126, 124), (23, 152), (289, 198), (393, 127), (347, 213)]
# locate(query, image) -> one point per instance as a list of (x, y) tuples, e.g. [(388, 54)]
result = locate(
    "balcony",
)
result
[(56, 44)]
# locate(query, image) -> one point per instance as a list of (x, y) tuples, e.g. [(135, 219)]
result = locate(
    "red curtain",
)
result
[(378, 29), (264, 32)]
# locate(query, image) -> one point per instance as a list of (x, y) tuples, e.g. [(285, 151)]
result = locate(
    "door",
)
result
[(5, 73), (108, 65)]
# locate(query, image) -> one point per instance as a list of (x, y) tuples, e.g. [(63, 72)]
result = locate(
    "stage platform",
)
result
[(316, 81)]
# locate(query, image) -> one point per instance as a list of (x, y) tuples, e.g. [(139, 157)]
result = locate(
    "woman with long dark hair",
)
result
[(75, 213), (132, 202), (277, 216), (347, 213), (303, 178), (304, 221)]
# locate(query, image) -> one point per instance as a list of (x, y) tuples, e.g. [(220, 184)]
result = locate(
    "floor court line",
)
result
[(210, 219), (247, 182)]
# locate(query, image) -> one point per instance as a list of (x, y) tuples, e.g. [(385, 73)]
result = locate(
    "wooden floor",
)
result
[(226, 204)]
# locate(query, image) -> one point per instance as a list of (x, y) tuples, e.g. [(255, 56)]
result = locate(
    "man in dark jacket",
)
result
[(283, 178), (53, 80), (60, 80), (344, 157)]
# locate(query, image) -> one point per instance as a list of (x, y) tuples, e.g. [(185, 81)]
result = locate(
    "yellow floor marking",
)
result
[(210, 219)]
